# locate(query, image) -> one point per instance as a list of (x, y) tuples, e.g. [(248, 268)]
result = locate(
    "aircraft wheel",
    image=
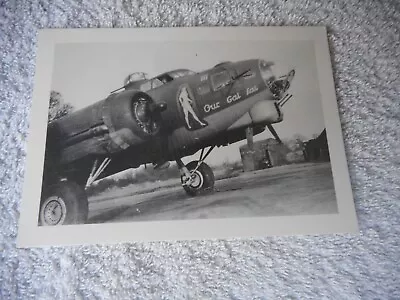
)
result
[(63, 203), (203, 179)]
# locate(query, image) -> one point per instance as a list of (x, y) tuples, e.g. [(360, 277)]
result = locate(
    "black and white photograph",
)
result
[(181, 125)]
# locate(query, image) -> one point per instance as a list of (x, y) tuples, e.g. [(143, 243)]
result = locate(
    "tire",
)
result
[(62, 204), (204, 182)]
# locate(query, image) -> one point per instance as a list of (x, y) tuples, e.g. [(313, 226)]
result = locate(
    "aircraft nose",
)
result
[(282, 84)]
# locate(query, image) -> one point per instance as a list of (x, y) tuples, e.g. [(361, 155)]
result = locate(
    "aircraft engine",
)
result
[(266, 111), (108, 126), (131, 118)]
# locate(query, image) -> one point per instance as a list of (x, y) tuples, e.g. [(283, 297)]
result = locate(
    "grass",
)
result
[(230, 169), (135, 177), (149, 175)]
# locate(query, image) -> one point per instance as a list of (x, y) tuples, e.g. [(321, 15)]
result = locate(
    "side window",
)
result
[(156, 83), (219, 80), (249, 74), (144, 87), (203, 88)]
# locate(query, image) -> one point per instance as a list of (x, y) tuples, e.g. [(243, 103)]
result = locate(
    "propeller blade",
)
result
[(276, 136)]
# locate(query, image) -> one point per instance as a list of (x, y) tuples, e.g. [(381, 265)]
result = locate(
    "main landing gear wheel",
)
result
[(64, 203), (202, 179)]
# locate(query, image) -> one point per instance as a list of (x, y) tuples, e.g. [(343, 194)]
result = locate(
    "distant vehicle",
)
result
[(158, 120)]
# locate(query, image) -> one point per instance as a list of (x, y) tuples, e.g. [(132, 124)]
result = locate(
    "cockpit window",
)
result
[(133, 77), (181, 73), (150, 84), (163, 79)]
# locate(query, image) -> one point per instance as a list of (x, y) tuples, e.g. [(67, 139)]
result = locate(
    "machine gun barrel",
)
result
[(285, 99)]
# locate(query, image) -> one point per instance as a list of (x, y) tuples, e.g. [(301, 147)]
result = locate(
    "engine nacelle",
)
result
[(108, 126), (267, 111), (131, 118)]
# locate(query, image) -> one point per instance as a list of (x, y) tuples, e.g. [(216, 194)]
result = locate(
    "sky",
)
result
[(85, 73)]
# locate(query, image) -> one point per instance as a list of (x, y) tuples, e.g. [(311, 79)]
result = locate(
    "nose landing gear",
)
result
[(197, 177)]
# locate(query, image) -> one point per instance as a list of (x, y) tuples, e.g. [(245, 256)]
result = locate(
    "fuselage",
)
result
[(212, 107), (221, 102)]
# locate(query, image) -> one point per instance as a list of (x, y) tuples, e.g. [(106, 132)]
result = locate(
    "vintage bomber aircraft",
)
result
[(156, 121)]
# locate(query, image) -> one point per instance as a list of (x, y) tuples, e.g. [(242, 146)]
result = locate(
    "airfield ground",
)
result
[(281, 191)]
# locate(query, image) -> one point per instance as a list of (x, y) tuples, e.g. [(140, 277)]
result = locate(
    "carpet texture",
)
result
[(364, 40)]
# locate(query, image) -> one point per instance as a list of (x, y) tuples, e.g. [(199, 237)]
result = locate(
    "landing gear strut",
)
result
[(95, 172), (197, 177)]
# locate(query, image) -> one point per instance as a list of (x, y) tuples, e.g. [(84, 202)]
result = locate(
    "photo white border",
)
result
[(32, 235)]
